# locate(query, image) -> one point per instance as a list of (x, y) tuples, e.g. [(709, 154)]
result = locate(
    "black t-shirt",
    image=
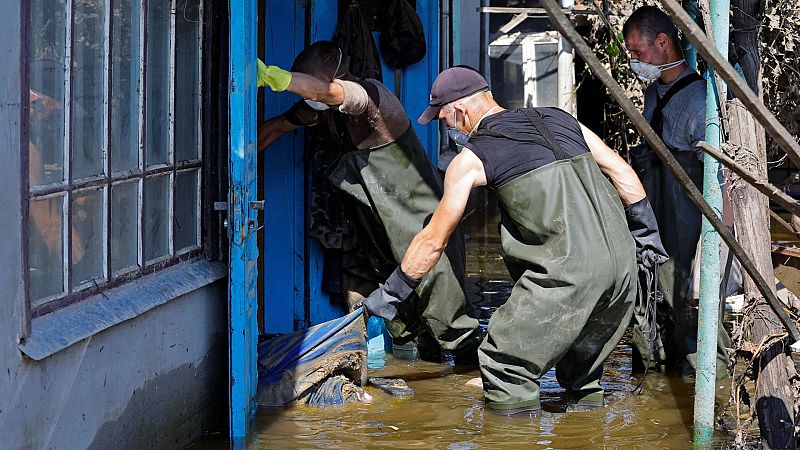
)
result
[(505, 159)]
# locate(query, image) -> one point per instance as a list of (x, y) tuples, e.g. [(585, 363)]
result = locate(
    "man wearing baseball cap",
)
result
[(564, 236)]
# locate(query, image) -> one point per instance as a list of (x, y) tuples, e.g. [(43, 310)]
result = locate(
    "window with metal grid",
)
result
[(114, 143)]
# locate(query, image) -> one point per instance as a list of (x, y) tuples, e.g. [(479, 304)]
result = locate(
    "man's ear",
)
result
[(460, 109), (662, 41)]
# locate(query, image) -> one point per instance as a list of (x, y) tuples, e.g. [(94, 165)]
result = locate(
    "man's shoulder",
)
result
[(692, 97), (696, 87)]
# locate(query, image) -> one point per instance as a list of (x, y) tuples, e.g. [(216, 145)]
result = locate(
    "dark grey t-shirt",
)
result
[(505, 159)]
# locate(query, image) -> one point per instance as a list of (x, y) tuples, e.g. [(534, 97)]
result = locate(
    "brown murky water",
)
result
[(445, 413)]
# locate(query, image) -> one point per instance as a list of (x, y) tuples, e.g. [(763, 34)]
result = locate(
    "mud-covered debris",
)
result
[(392, 386), (335, 391)]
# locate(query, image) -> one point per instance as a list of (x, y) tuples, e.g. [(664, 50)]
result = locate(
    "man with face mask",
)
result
[(564, 237), (389, 189), (675, 105)]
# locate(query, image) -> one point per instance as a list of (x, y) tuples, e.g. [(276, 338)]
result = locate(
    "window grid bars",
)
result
[(67, 221), (145, 11), (68, 188), (199, 88), (108, 41), (142, 53), (171, 130)]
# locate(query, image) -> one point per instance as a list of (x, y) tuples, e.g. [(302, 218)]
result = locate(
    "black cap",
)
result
[(452, 84)]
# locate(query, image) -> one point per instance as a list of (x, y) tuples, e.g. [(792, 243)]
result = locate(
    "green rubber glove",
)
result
[(273, 76)]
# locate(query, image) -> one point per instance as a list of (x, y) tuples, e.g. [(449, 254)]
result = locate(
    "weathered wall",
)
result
[(155, 381)]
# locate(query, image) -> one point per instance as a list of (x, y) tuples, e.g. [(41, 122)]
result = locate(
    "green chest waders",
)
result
[(395, 189), (567, 245)]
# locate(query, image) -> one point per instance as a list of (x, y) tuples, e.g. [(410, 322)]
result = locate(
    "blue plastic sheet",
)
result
[(291, 365)]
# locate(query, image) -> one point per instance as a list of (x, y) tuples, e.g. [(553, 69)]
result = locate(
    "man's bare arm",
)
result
[(272, 129), (622, 175), (313, 88), (464, 173)]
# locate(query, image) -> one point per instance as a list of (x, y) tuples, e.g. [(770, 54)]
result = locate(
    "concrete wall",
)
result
[(155, 381)]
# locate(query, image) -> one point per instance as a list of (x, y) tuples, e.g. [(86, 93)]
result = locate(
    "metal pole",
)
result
[(689, 52), (456, 20), (708, 315), (444, 34), (566, 71)]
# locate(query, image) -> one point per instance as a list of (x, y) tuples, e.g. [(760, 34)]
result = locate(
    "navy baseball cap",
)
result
[(452, 84)]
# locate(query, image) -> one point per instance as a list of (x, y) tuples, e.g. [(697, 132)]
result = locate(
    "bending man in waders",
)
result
[(390, 189), (675, 105), (564, 237)]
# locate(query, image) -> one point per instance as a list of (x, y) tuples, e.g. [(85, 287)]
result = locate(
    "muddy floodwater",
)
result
[(446, 413)]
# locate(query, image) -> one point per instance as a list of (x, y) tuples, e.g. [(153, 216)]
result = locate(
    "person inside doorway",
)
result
[(387, 187)]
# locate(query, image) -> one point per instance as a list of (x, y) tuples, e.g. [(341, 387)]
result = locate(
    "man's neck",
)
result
[(491, 108), (668, 76)]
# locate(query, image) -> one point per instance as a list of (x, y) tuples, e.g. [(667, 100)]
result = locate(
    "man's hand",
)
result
[(382, 302)]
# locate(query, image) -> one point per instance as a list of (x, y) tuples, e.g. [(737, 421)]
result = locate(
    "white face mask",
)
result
[(319, 106), (649, 72)]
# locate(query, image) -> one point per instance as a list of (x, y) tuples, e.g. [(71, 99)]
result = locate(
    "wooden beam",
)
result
[(567, 29), (782, 223), (735, 82), (765, 187)]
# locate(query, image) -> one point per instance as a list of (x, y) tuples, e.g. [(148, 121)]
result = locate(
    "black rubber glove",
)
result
[(644, 229), (382, 302), (650, 254)]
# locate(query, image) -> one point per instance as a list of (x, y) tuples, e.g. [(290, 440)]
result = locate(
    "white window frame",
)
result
[(529, 43)]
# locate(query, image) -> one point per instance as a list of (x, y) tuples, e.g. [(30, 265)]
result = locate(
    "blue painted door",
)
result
[(242, 217)]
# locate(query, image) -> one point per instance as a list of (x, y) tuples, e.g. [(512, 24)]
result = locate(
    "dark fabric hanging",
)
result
[(355, 39), (402, 40)]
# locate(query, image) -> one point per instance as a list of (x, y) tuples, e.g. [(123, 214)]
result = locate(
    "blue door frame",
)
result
[(293, 263), (242, 218)]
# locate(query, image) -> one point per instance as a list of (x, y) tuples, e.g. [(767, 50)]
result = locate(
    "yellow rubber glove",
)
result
[(273, 76)]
